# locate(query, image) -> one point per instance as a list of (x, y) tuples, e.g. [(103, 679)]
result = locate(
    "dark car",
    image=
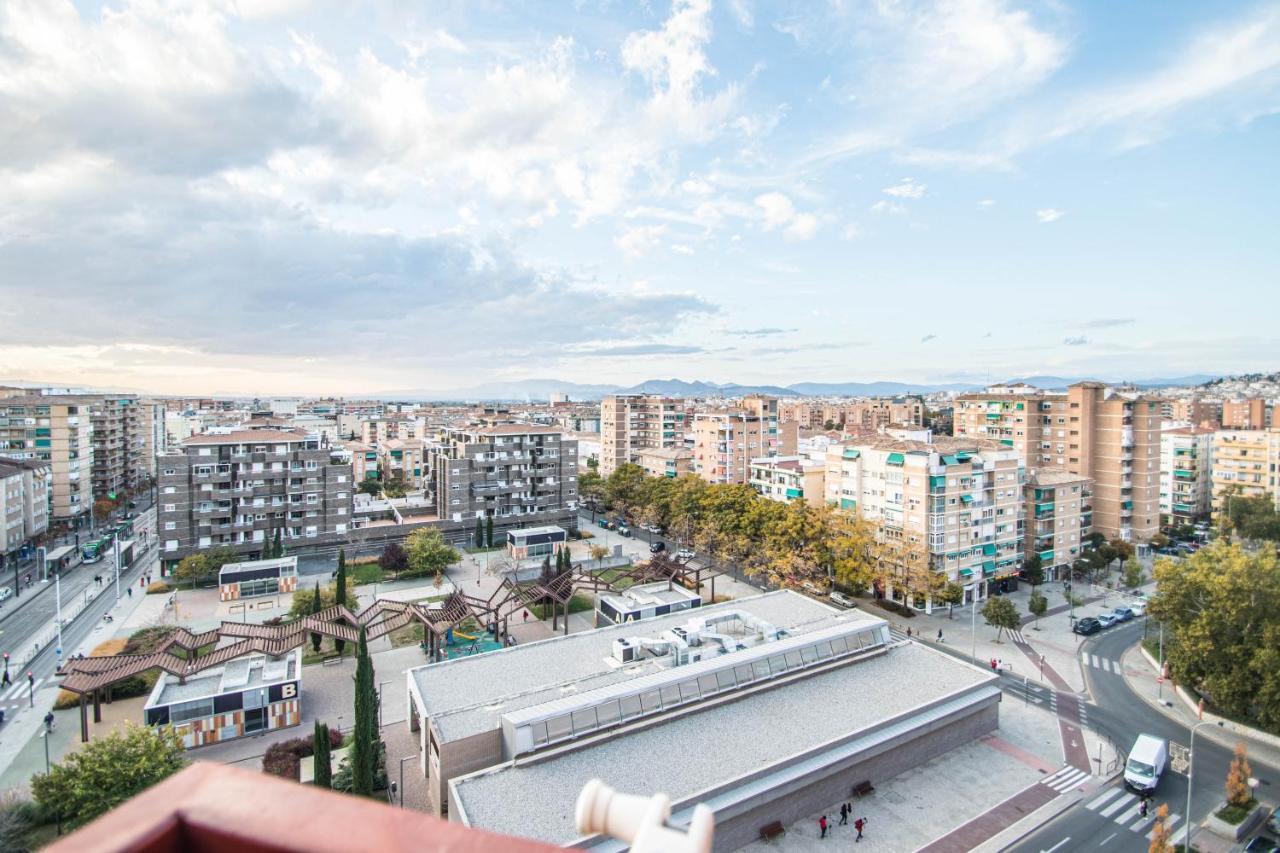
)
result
[(1261, 844), (1087, 625), (655, 547)]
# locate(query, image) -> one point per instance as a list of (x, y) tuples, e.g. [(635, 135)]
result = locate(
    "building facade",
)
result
[(1248, 414), (952, 507), (724, 443), (1240, 459), (256, 578), (788, 478), (518, 474), (1059, 517), (237, 488), (56, 430), (630, 423), (24, 503), (124, 443), (665, 461), (1186, 475)]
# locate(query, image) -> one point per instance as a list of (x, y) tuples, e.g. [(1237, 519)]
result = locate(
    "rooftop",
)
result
[(665, 452), (731, 740), (940, 444), (235, 676), (647, 595), (1053, 477), (248, 436)]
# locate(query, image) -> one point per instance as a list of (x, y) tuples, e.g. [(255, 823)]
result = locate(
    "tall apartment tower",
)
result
[(1113, 440), (57, 430), (724, 443), (24, 503), (1186, 466), (237, 488), (1246, 414), (630, 423), (520, 475)]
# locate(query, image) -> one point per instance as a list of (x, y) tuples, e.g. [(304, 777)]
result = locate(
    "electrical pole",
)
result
[(57, 591)]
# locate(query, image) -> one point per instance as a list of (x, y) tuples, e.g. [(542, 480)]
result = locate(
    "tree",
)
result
[(277, 549), (322, 774), (106, 771), (203, 567), (950, 595), (478, 537), (316, 607), (488, 531), (1033, 570), (1160, 541), (1239, 794), (102, 509), (365, 734), (1161, 836), (304, 600), (1133, 573), (428, 554), (340, 594), (1037, 604), (395, 486), (597, 552), (1001, 613), (370, 487), (393, 559)]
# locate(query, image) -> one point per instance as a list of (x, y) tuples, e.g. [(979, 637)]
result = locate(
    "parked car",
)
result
[(655, 547), (841, 600), (1086, 626), (1261, 844), (685, 553), (1138, 608), (1273, 823), (1123, 614), (5, 593), (1106, 620), (623, 530)]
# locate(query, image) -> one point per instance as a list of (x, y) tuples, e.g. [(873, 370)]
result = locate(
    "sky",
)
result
[(307, 197)]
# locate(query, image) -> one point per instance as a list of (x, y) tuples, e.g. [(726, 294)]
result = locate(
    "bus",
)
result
[(90, 552)]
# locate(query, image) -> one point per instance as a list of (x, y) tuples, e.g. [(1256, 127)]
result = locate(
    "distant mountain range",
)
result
[(533, 390)]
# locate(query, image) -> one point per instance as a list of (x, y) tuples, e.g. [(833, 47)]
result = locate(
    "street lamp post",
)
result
[(115, 547), (402, 761), (57, 591), (1191, 768), (381, 684), (973, 623)]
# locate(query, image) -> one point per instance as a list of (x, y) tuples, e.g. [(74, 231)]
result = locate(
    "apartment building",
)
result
[(1113, 439), (1059, 518), (364, 460), (666, 461), (24, 503), (400, 458), (789, 478), (521, 475), (1245, 414), (380, 430), (871, 415), (1186, 475), (1240, 464), (630, 423), (237, 488), (125, 442), (1194, 411), (725, 442), (56, 430), (801, 413), (953, 505)]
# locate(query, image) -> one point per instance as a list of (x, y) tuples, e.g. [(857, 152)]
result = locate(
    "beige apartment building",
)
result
[(402, 458), (379, 430), (1059, 517), (1186, 475), (630, 423), (125, 436), (1194, 411), (1246, 414), (1112, 439), (725, 442), (665, 461), (801, 413), (789, 478), (24, 503), (1240, 464), (953, 505), (57, 430)]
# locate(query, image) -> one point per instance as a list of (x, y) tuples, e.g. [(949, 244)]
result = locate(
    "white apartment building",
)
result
[(788, 478), (1186, 475)]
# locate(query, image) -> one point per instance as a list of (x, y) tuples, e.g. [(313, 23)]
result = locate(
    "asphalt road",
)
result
[(1109, 819)]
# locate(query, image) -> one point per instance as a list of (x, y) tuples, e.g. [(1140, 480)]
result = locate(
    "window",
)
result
[(171, 525), (168, 490), (170, 507), (170, 471)]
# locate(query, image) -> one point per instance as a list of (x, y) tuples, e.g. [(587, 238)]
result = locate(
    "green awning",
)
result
[(989, 549), (1007, 442), (966, 573), (989, 567), (851, 453), (967, 499), (1047, 556), (848, 503), (964, 456), (950, 460), (895, 459)]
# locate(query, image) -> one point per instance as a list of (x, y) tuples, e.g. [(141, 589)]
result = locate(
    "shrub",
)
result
[(895, 607), (158, 588), (284, 759)]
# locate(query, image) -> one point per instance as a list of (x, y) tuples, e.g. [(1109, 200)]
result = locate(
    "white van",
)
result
[(1147, 760), (5, 593)]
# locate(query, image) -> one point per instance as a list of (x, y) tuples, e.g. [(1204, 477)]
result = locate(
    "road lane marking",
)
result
[(1108, 838), (1118, 804), (1168, 824), (1103, 797), (1129, 814), (1095, 659), (1056, 846)]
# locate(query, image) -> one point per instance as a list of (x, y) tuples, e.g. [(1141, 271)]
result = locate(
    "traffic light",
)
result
[(31, 677)]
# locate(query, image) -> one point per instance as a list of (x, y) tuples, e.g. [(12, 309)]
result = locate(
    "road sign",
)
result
[(1179, 758)]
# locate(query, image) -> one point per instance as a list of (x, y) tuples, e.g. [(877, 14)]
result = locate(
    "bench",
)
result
[(862, 789), (772, 830)]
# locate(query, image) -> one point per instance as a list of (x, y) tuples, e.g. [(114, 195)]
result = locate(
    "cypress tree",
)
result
[(323, 775), (316, 607), (478, 538), (365, 734), (278, 549), (488, 531), (341, 596)]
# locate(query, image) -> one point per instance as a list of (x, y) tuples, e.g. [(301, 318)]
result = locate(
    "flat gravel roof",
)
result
[(698, 751)]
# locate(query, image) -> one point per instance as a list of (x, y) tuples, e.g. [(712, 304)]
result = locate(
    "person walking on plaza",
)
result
[(858, 824), (822, 825), (939, 635), (844, 814)]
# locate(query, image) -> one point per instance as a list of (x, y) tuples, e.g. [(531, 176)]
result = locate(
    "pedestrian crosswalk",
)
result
[(1125, 809), (1065, 779), (1104, 664), (19, 689)]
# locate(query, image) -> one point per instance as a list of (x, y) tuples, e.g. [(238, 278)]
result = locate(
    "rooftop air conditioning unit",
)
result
[(624, 651)]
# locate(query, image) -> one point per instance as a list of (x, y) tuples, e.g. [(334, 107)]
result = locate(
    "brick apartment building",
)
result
[(725, 442), (57, 430), (630, 423)]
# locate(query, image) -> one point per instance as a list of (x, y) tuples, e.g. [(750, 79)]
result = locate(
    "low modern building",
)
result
[(1186, 475), (644, 601), (1058, 519), (665, 461), (243, 697), (255, 578), (536, 542), (763, 724), (788, 478)]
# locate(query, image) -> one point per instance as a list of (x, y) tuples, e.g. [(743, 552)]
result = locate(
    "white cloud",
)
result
[(1048, 214), (636, 242), (682, 249), (779, 212), (986, 204), (741, 10), (851, 231), (886, 206), (694, 186), (906, 188)]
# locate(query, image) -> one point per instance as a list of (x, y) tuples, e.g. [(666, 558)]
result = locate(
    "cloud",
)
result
[(986, 204), (636, 242), (638, 349), (1110, 322), (779, 212), (928, 338), (761, 332), (906, 188), (885, 206), (742, 13), (1077, 341), (1048, 214)]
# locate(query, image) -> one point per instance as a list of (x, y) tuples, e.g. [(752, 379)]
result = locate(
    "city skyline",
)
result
[(300, 198)]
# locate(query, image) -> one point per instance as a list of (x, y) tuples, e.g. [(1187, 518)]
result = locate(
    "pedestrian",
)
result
[(822, 824), (939, 635), (526, 616), (908, 632), (844, 814), (993, 664), (1142, 808), (48, 721), (858, 824), (130, 591)]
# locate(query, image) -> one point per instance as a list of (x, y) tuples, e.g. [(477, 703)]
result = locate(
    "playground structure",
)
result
[(179, 655)]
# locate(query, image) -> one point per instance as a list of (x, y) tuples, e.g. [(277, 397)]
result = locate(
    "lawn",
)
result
[(577, 604), (614, 576)]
